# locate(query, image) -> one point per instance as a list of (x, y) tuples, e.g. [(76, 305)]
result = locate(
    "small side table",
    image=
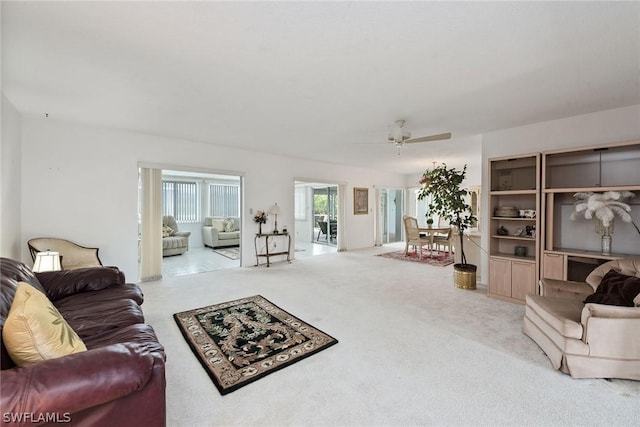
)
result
[(267, 254)]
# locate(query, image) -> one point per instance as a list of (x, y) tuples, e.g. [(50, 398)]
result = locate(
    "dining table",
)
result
[(431, 232)]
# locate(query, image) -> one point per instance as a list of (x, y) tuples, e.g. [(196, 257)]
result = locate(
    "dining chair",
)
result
[(412, 236), (445, 240)]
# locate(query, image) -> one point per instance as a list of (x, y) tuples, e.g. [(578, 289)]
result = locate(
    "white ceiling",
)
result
[(321, 80)]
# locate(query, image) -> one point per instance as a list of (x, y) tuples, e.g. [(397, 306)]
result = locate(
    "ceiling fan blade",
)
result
[(429, 138)]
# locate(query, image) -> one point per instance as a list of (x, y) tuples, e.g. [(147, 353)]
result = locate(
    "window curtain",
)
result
[(378, 217), (151, 224), (342, 214), (301, 203)]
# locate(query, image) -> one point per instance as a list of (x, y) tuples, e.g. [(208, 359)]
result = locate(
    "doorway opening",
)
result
[(199, 215), (325, 214), (391, 211), (317, 210)]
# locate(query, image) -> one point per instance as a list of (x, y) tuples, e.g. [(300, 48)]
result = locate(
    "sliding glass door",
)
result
[(391, 211), (319, 218), (325, 214)]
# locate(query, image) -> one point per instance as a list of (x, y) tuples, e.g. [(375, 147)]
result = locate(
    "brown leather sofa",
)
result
[(119, 380)]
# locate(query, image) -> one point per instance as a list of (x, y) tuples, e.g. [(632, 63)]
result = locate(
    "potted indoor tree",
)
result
[(447, 199)]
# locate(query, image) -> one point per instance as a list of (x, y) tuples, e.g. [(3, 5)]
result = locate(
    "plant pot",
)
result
[(464, 276)]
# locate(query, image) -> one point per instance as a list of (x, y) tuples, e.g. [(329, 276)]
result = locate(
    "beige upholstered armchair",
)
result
[(592, 340), (174, 241), (72, 255)]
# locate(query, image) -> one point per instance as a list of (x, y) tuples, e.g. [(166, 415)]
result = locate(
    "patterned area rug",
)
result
[(238, 342), (231, 253), (440, 259)]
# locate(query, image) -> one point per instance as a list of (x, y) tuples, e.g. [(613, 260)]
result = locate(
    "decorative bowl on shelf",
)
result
[(520, 251), (507, 212)]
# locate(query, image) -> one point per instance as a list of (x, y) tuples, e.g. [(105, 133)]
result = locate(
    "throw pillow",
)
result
[(35, 330), (167, 231), (229, 225), (616, 289), (218, 224)]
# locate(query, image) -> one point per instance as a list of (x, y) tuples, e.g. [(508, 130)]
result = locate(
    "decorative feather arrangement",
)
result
[(604, 206)]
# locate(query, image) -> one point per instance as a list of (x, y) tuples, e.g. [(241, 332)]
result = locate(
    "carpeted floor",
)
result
[(414, 350), (438, 258)]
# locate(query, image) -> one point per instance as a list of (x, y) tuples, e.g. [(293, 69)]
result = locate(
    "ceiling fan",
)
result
[(399, 136)]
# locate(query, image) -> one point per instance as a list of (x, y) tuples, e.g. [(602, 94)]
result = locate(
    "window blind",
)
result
[(224, 200), (180, 200)]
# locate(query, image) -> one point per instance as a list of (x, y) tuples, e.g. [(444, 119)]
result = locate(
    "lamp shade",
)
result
[(47, 261), (274, 210)]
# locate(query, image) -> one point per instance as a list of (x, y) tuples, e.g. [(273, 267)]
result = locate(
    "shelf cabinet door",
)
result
[(500, 276), (523, 279), (553, 266)]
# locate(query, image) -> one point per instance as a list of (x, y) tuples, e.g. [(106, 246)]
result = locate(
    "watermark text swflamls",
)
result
[(34, 417)]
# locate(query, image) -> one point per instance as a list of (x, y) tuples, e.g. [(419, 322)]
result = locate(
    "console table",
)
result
[(270, 237)]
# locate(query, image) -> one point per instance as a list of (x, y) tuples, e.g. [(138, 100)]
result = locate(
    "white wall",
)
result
[(467, 152), (10, 182), (91, 175), (621, 124)]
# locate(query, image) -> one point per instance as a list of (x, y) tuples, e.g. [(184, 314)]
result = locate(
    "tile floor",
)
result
[(195, 260), (200, 260), (307, 249)]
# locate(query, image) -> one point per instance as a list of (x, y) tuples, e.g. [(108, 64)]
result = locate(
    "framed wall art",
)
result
[(360, 201)]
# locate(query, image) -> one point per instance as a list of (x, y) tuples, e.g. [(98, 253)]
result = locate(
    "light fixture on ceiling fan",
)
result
[(425, 181), (399, 136)]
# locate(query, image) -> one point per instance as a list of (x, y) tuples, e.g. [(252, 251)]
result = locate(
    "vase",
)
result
[(605, 241)]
